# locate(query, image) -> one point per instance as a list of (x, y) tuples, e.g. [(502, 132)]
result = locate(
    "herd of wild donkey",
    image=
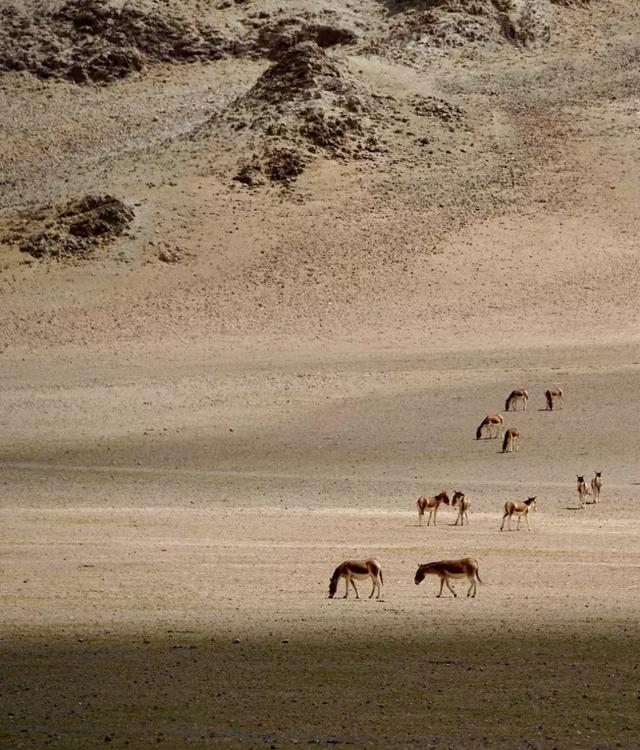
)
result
[(492, 426)]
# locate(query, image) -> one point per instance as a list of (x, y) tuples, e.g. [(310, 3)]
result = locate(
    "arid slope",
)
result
[(486, 190)]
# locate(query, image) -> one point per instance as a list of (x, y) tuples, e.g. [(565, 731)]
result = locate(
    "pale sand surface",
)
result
[(140, 538)]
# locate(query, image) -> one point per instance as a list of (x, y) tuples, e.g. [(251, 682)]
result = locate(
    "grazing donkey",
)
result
[(357, 570), (518, 510), (511, 440), (553, 394), (519, 394), (446, 569), (431, 504), (488, 424), (596, 486)]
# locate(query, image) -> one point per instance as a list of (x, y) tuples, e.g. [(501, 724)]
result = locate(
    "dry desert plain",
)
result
[(203, 414), (169, 529)]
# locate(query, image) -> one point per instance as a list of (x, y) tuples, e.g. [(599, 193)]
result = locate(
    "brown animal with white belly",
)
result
[(446, 569)]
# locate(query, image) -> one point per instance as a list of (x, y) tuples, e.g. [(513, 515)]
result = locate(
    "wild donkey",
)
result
[(511, 440), (553, 394), (519, 394), (431, 504), (583, 491), (446, 569), (356, 570), (596, 486), (518, 510), (462, 503), (490, 423)]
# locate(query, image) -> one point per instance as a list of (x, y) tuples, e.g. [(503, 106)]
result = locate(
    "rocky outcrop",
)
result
[(304, 104), (77, 229), (94, 41)]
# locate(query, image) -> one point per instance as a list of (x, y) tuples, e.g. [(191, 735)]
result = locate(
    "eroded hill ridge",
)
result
[(304, 104), (89, 41), (96, 41), (311, 101)]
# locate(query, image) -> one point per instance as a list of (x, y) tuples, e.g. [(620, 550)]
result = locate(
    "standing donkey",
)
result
[(518, 510), (431, 504), (462, 503), (596, 486), (583, 491)]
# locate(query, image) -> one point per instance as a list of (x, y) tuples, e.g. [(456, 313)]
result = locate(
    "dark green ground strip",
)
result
[(532, 691)]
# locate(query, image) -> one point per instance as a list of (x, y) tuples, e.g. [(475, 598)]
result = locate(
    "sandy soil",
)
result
[(165, 575), (189, 449)]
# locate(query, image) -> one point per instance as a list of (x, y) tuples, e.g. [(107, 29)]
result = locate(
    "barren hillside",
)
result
[(405, 169)]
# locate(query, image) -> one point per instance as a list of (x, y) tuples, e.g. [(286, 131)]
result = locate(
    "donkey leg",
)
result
[(353, 583), (446, 580), (472, 586)]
